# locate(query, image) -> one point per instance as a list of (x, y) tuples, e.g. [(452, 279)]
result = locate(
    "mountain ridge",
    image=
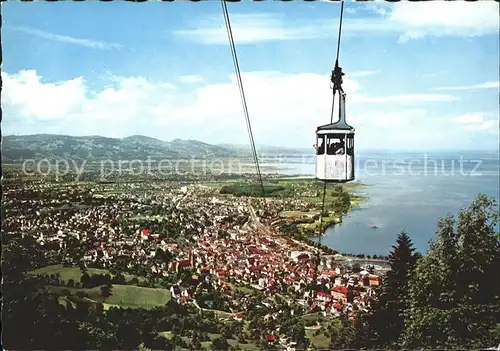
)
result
[(53, 146)]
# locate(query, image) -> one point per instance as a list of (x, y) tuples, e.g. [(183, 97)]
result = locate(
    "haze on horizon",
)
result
[(419, 75), (280, 148)]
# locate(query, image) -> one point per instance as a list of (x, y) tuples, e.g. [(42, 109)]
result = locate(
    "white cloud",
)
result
[(25, 95), (470, 118), (379, 7), (94, 44), (30, 98), (246, 28), (406, 98), (477, 122), (191, 79), (415, 20), (284, 109), (485, 85), (445, 18), (409, 20)]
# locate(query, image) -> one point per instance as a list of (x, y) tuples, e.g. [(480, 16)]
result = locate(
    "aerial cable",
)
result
[(340, 33), (336, 70), (335, 78), (242, 92)]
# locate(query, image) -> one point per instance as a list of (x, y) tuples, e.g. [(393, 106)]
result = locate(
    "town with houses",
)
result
[(190, 239)]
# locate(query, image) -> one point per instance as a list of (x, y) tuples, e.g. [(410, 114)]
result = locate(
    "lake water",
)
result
[(408, 191)]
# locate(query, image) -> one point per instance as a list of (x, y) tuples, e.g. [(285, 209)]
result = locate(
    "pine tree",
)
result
[(386, 320), (141, 347), (384, 323), (455, 290)]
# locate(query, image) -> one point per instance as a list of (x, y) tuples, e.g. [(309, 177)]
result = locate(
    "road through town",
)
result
[(257, 223)]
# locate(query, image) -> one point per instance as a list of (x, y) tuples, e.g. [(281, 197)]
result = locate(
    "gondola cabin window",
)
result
[(320, 145), (350, 144), (335, 144)]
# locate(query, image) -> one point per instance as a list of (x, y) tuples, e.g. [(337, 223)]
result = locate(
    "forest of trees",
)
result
[(448, 298)]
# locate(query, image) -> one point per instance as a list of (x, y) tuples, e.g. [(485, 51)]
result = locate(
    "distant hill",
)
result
[(140, 147), (268, 149), (52, 146)]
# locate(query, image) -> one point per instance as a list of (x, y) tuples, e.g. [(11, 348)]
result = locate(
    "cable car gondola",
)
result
[(335, 142)]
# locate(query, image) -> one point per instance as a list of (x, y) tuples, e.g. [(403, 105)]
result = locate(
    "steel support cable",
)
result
[(331, 121), (242, 92), (340, 31), (333, 106), (239, 80), (337, 56)]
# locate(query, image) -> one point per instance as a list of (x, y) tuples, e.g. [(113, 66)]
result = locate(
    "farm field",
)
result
[(128, 296)]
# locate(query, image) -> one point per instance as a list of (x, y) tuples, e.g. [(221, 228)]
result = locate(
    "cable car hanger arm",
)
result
[(337, 73), (336, 77)]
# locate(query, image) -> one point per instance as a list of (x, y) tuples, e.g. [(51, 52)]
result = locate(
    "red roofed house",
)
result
[(270, 338), (179, 265), (337, 306), (339, 297), (220, 274), (256, 251), (238, 316), (329, 273), (374, 280), (302, 257), (322, 296), (341, 289)]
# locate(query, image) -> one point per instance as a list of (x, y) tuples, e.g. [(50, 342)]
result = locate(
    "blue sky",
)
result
[(419, 75)]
